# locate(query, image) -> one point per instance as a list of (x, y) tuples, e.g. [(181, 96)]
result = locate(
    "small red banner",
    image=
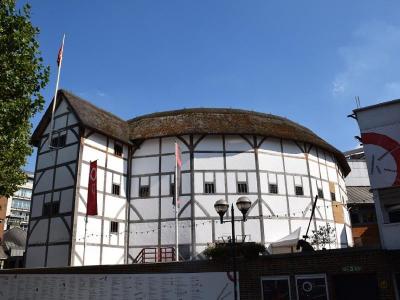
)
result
[(92, 190)]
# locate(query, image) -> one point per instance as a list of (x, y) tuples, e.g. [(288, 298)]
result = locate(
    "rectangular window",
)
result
[(273, 188), (209, 188), (242, 188), (275, 287), (144, 191), (333, 196), (394, 215), (59, 141), (115, 189), (172, 189), (114, 227), (55, 208), (299, 191), (320, 194), (355, 217), (311, 287), (118, 149), (51, 209), (46, 209)]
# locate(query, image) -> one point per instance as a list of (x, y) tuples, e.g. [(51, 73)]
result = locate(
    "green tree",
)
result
[(22, 77), (325, 235)]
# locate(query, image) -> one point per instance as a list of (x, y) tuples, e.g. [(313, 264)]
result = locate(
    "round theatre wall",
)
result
[(278, 164)]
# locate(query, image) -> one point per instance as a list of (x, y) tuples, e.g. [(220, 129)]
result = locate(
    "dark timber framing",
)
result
[(191, 141)]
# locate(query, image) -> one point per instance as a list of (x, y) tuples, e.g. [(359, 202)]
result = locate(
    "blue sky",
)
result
[(305, 60)]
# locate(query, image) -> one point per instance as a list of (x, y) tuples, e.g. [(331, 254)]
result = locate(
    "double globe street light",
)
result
[(221, 206)]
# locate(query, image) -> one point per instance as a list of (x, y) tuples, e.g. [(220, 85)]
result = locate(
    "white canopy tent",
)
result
[(285, 244)]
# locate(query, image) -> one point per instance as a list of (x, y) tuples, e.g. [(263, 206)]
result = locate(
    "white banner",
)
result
[(190, 286)]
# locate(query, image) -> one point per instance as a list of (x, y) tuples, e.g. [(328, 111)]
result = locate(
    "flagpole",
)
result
[(55, 95), (176, 206), (84, 240), (84, 237)]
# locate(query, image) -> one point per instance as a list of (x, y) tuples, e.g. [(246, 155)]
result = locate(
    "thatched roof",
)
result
[(190, 121), (89, 116)]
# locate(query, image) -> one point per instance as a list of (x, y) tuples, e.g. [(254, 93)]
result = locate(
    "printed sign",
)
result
[(185, 286)]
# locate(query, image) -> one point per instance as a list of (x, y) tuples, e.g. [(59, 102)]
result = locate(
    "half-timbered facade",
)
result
[(279, 165)]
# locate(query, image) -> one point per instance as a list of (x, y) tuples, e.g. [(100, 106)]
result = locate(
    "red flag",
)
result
[(178, 156), (91, 209), (178, 167), (60, 54)]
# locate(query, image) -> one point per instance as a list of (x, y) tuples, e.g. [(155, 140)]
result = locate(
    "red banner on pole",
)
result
[(91, 209)]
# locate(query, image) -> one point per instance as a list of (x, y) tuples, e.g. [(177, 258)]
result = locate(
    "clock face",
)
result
[(383, 158)]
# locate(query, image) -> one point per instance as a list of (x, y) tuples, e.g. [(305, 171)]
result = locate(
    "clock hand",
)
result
[(379, 169), (372, 164)]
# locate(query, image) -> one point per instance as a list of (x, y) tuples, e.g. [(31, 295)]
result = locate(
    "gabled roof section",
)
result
[(89, 116)]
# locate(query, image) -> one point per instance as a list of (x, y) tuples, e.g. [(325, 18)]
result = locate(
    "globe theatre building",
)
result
[(226, 153)]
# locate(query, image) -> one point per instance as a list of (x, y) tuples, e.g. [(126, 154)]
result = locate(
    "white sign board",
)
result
[(380, 135), (193, 286)]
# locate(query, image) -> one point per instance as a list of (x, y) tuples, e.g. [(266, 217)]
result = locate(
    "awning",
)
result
[(289, 240)]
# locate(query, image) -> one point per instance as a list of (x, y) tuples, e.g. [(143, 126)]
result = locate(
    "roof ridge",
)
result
[(92, 105), (222, 110)]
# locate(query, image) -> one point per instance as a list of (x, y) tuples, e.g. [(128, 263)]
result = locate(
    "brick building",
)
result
[(360, 201)]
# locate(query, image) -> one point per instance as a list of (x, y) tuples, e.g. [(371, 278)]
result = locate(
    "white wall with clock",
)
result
[(380, 134)]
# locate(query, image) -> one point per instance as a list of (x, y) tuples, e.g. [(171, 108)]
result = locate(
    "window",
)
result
[(59, 141), (273, 188), (114, 227), (51, 209), (55, 208), (144, 191), (320, 193), (209, 188), (299, 190), (355, 218), (242, 187), (172, 189), (394, 214), (311, 287), (47, 209), (115, 189), (368, 217), (118, 149), (275, 287), (333, 196)]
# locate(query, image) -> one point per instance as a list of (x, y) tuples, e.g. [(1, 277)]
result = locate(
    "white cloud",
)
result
[(100, 93), (371, 64)]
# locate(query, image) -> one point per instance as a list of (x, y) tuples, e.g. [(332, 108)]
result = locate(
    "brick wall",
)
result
[(382, 263)]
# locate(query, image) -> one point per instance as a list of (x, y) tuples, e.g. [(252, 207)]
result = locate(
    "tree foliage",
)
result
[(224, 251), (325, 235), (22, 77)]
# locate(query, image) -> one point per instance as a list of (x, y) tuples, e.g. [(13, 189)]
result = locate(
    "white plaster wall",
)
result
[(57, 256), (359, 173), (111, 169), (240, 167), (59, 175), (35, 257)]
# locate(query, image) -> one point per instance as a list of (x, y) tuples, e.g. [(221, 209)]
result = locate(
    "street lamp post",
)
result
[(221, 206)]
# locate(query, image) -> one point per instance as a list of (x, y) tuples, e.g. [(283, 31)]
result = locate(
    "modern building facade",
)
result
[(278, 164), (19, 204), (360, 201), (380, 134)]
